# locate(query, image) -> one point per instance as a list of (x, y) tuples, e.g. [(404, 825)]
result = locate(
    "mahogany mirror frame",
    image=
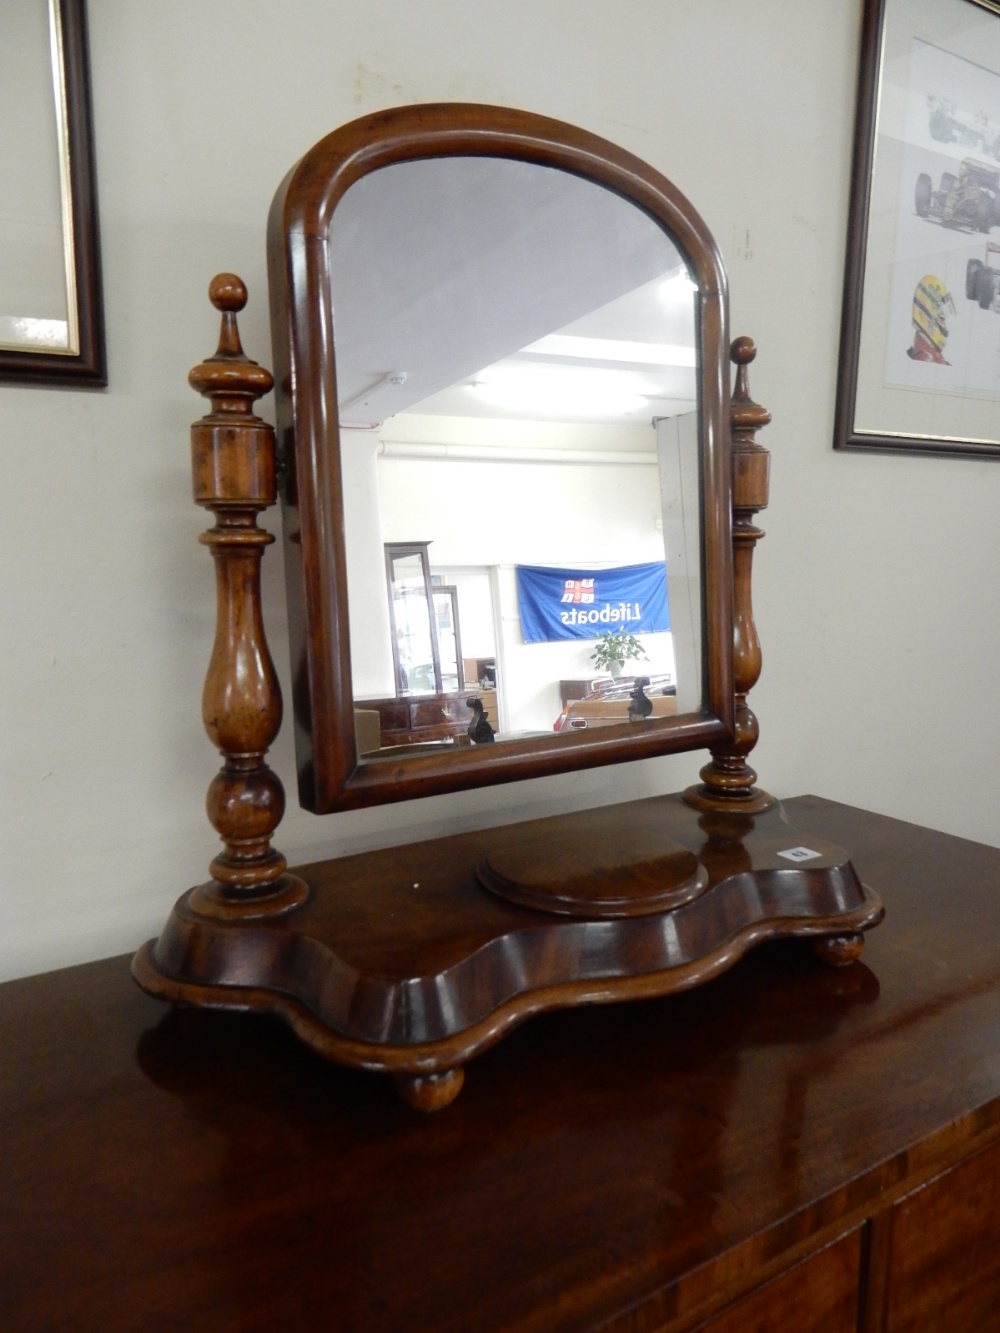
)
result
[(330, 775)]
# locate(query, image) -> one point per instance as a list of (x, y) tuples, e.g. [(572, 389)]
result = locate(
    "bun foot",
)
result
[(430, 1092), (839, 950)]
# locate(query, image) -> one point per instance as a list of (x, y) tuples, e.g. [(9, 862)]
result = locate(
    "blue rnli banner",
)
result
[(583, 603)]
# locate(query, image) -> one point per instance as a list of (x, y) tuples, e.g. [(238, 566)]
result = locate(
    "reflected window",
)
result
[(415, 655), (423, 616)]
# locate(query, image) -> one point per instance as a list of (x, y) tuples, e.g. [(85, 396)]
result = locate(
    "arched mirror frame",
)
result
[(303, 336)]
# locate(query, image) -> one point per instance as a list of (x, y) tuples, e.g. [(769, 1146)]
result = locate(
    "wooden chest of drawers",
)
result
[(788, 1147), (429, 717)]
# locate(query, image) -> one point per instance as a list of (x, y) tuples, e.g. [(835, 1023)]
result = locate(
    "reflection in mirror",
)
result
[(517, 389), (415, 653)]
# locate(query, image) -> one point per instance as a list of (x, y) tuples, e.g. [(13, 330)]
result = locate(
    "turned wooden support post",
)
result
[(233, 467), (727, 781)]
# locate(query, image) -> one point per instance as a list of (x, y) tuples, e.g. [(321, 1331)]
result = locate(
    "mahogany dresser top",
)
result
[(608, 1166)]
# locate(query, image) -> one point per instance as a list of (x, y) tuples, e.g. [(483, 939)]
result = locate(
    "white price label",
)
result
[(800, 854)]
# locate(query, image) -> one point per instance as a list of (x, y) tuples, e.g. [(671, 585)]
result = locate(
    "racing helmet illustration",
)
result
[(932, 304)]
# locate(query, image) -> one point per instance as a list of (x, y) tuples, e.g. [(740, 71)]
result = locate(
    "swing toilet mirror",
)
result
[(417, 257), (502, 365)]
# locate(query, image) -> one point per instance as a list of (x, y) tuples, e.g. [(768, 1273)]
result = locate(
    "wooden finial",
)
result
[(727, 781), (233, 467), (746, 415), (229, 378)]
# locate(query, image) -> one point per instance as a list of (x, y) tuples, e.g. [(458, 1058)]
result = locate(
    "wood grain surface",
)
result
[(633, 1167), (398, 960)]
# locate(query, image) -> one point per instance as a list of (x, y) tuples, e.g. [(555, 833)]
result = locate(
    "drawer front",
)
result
[(393, 716), (818, 1295), (944, 1254), (436, 711)]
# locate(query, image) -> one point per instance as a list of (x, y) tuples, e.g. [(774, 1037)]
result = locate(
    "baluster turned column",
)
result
[(233, 467), (727, 781)]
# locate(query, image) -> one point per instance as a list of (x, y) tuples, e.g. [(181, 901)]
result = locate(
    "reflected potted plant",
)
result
[(615, 648)]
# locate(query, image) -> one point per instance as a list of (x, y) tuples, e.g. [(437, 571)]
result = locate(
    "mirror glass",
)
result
[(516, 378)]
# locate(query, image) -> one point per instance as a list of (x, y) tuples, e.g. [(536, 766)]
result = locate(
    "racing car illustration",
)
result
[(982, 282), (970, 200), (948, 123)]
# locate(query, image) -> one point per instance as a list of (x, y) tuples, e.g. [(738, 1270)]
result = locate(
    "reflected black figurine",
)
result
[(479, 729), (640, 707)]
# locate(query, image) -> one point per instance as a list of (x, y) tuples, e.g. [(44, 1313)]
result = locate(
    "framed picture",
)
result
[(51, 311), (920, 335)]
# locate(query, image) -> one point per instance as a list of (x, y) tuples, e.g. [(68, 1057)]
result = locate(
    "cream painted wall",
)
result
[(875, 588)]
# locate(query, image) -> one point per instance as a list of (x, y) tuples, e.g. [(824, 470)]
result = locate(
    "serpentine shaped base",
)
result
[(399, 961)]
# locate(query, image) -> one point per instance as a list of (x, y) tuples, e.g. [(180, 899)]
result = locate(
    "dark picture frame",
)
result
[(83, 363), (919, 367)]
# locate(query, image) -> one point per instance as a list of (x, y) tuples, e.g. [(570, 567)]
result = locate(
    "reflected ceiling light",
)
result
[(393, 377), (679, 286), (559, 391), (613, 349)]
